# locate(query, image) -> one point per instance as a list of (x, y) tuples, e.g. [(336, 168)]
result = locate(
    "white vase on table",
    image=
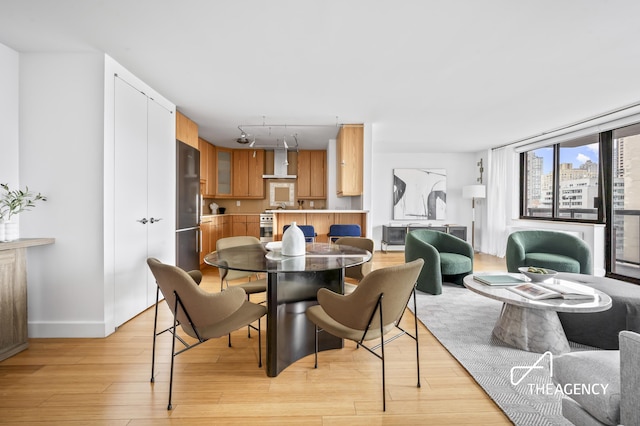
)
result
[(293, 242), (1, 230), (11, 231)]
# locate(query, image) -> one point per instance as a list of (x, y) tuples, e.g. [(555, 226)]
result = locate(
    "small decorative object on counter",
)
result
[(293, 242), (300, 204), (11, 204), (214, 208)]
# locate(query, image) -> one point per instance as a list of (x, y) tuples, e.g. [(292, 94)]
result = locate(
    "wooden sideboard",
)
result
[(396, 235), (13, 294)]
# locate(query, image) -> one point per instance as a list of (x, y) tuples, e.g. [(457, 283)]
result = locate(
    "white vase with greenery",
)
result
[(12, 203)]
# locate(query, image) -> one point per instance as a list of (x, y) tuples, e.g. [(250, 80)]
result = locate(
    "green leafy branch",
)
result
[(16, 201)]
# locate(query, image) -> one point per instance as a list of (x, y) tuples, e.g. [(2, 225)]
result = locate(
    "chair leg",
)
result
[(173, 355), (415, 321), (229, 339), (155, 328), (248, 327), (259, 345), (316, 348), (384, 391)]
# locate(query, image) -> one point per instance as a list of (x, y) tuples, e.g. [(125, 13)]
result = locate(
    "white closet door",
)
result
[(161, 193), (130, 202)]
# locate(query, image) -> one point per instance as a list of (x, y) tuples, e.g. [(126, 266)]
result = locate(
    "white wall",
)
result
[(61, 151), (9, 102), (461, 170)]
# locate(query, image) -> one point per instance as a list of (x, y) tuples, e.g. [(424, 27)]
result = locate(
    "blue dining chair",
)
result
[(337, 231), (308, 231)]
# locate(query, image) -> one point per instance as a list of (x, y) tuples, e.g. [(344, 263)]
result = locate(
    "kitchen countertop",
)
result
[(317, 211)]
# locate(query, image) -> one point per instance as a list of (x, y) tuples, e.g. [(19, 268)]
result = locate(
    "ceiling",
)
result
[(429, 76)]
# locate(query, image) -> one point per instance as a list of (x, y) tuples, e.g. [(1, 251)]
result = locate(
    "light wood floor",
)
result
[(106, 381)]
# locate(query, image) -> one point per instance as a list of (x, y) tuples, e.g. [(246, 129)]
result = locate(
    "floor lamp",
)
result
[(473, 192)]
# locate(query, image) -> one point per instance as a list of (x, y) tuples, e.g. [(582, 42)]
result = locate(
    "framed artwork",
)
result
[(419, 194)]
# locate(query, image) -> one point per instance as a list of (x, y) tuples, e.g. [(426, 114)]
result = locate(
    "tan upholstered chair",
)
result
[(373, 309), (357, 272), (202, 315), (257, 285)]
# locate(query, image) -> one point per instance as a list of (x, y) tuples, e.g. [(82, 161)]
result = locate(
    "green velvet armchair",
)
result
[(555, 250), (444, 256)]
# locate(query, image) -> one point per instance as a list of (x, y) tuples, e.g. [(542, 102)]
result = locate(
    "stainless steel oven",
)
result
[(266, 227)]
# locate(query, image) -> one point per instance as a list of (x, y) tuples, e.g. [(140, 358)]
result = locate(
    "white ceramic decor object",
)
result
[(293, 242), (12, 231)]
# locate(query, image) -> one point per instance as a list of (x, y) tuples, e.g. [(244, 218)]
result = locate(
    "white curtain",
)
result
[(502, 184)]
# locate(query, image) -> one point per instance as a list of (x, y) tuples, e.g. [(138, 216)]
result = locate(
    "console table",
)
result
[(396, 235), (13, 294)]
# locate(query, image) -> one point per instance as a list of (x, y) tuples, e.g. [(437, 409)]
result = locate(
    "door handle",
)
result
[(143, 221), (152, 220)]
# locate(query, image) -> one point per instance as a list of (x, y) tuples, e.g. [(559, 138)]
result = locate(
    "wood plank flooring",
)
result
[(106, 381)]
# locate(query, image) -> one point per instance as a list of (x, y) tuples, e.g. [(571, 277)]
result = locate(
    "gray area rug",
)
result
[(463, 322)]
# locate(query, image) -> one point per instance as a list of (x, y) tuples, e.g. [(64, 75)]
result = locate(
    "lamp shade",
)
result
[(474, 191)]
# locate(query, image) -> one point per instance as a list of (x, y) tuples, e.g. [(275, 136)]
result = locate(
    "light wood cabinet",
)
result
[(247, 171), (350, 157), (13, 295), (224, 164), (206, 226), (312, 174), (186, 130), (321, 221), (245, 225), (207, 167)]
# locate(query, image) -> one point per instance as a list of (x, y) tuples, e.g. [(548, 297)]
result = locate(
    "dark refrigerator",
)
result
[(188, 207)]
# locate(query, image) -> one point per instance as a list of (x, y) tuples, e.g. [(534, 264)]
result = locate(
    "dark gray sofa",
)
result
[(601, 329)]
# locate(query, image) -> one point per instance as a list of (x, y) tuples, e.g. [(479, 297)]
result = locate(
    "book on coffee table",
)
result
[(539, 291), (498, 279)]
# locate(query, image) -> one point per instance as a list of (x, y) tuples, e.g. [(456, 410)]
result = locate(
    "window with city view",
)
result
[(626, 201), (562, 180)]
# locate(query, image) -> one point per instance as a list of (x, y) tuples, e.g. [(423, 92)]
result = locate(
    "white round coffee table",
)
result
[(533, 325)]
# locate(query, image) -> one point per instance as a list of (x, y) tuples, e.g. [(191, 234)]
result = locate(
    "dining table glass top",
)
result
[(318, 257)]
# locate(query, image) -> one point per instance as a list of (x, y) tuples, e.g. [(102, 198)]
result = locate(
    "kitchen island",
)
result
[(320, 219)]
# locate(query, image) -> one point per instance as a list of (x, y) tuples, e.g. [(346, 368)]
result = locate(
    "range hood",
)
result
[(280, 166)]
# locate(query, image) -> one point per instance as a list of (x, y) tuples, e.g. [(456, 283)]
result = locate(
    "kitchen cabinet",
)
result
[(320, 219), (224, 158), (206, 233), (247, 171), (312, 174), (349, 159), (245, 225), (186, 130), (208, 168)]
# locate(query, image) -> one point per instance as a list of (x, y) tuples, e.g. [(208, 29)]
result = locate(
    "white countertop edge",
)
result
[(316, 211)]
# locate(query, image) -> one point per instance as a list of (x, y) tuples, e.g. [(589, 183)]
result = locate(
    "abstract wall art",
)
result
[(419, 194)]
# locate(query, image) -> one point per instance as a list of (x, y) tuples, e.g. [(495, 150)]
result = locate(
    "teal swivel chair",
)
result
[(555, 250), (443, 254)]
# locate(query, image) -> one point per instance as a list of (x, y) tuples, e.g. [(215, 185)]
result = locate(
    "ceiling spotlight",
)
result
[(243, 137), (253, 142)]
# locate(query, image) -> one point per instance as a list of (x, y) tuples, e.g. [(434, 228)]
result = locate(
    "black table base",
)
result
[(289, 332)]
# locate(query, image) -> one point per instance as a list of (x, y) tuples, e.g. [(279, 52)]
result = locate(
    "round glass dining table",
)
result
[(292, 285)]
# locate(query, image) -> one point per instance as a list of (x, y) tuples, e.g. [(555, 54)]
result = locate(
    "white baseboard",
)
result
[(52, 329)]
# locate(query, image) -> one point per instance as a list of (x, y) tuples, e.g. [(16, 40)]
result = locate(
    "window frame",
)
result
[(555, 205)]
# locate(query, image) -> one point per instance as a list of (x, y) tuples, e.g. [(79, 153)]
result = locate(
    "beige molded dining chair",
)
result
[(373, 310), (202, 315), (258, 285), (357, 272)]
